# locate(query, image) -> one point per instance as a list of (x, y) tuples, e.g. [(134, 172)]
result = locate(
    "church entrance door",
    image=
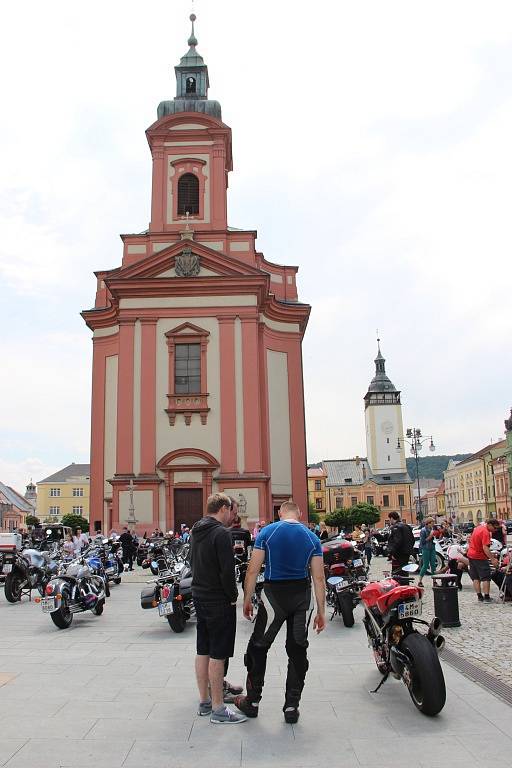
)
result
[(188, 506)]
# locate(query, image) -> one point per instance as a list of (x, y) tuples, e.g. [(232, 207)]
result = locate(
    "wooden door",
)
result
[(188, 506)]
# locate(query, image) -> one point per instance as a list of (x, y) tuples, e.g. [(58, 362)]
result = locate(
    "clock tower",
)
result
[(384, 427)]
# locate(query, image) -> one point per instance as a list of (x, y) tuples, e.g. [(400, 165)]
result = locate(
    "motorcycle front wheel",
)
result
[(425, 679), (346, 608), (62, 617), (13, 586), (98, 608), (177, 620)]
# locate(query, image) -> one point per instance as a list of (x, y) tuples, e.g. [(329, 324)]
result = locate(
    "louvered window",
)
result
[(188, 195)]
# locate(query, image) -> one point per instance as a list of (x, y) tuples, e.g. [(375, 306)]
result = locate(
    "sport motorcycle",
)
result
[(392, 610)]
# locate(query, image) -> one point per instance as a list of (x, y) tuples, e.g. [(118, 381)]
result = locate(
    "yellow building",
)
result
[(316, 489), (64, 493), (351, 481), (469, 485)]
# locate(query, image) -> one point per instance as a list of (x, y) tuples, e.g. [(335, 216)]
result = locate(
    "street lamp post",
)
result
[(415, 440)]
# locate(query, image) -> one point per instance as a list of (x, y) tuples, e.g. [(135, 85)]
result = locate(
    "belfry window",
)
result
[(190, 85), (188, 195)]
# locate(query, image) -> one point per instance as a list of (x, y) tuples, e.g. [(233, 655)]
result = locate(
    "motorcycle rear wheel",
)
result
[(346, 608), (177, 620), (62, 617), (426, 686), (12, 587)]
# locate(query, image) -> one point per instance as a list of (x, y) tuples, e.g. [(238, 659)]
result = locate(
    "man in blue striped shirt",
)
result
[(293, 557)]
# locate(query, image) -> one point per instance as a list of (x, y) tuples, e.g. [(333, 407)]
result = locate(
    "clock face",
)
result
[(387, 427)]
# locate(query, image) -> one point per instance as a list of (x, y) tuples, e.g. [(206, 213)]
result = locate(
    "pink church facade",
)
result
[(197, 379)]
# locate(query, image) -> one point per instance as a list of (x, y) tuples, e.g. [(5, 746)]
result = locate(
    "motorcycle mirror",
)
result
[(411, 568)]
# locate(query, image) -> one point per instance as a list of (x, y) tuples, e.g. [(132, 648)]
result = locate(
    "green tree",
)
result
[(364, 513), (32, 520), (314, 517), (75, 521), (340, 518)]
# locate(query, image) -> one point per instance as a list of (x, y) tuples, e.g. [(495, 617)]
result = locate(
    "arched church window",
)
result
[(188, 195), (191, 85)]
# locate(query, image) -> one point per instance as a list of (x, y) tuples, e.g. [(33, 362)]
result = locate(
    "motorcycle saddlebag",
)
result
[(148, 596)]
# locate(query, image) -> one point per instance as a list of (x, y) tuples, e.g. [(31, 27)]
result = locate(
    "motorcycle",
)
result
[(27, 570), (392, 610), (344, 585), (75, 589), (171, 593)]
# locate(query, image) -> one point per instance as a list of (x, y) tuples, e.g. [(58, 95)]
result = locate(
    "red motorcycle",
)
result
[(392, 610)]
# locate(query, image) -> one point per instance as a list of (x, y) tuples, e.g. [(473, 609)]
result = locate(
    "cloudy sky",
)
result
[(372, 148)]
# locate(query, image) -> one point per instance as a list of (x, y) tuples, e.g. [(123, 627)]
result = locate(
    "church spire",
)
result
[(192, 83)]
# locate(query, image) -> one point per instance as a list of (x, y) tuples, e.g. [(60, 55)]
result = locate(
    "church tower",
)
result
[(384, 427), (197, 343)]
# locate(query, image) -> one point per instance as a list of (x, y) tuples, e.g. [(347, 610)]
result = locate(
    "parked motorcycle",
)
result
[(392, 610), (171, 593), (344, 586), (27, 570), (74, 589)]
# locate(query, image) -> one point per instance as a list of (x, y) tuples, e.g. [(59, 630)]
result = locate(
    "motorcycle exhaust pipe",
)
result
[(439, 643), (434, 629)]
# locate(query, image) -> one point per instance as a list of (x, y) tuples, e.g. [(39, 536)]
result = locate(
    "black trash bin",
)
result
[(446, 599)]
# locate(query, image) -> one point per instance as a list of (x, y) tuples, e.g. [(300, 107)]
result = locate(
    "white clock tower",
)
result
[(384, 428)]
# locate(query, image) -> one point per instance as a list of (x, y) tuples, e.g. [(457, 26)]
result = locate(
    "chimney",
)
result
[(364, 472), (358, 461)]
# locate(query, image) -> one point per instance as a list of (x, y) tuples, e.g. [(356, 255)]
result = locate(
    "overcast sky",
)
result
[(372, 148)]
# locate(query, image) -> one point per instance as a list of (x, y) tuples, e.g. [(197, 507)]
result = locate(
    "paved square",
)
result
[(118, 690)]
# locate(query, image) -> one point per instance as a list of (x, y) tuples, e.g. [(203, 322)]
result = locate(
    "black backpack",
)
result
[(408, 540)]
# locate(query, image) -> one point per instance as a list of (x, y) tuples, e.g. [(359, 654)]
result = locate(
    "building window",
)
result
[(369, 499), (190, 85), (318, 485), (339, 502), (348, 479), (188, 387), (389, 458), (385, 500), (353, 500), (188, 195), (54, 510), (78, 491), (401, 500), (387, 440), (318, 503), (78, 510), (54, 491), (187, 372)]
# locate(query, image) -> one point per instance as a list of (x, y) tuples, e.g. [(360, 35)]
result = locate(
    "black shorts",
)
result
[(479, 570), (216, 629)]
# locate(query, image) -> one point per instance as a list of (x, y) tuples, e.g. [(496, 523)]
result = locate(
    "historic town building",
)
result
[(65, 492), (380, 479), (197, 365)]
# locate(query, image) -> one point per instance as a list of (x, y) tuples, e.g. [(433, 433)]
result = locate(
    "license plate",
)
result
[(409, 610), (48, 604), (165, 609), (341, 585), (260, 578), (7, 568), (358, 563)]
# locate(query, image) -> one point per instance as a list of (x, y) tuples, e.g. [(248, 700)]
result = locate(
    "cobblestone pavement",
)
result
[(118, 690), (485, 635)]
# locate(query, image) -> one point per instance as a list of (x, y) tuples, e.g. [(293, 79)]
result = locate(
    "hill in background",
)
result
[(432, 466)]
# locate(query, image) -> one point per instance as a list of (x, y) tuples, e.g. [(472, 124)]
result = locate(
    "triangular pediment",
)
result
[(212, 263)]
